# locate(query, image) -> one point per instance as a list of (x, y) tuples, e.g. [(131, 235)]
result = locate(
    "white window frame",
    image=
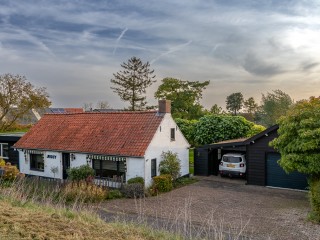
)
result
[(1, 150)]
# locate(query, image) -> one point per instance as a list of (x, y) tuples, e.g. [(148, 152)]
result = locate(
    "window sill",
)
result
[(37, 170)]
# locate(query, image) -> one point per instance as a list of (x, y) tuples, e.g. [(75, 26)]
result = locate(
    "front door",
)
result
[(65, 164)]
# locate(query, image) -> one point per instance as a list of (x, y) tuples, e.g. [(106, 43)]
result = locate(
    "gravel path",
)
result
[(229, 206)]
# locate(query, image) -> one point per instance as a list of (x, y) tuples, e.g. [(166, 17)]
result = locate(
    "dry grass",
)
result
[(35, 210), (28, 221)]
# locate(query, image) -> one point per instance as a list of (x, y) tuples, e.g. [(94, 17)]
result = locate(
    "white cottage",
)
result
[(126, 144)]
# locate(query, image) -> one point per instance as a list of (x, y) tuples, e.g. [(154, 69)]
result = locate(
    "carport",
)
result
[(208, 157), (262, 166)]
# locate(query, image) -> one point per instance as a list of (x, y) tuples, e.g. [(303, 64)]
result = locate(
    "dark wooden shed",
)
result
[(7, 152), (262, 161)]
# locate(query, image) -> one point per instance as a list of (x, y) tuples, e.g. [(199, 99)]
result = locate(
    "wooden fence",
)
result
[(115, 182)]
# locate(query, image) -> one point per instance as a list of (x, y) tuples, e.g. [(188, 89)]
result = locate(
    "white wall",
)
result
[(49, 163), (161, 142), (135, 168), (80, 159)]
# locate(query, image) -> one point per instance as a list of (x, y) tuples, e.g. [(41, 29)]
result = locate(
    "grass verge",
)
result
[(191, 160), (30, 221)]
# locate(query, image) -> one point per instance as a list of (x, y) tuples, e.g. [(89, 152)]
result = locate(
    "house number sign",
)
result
[(52, 156)]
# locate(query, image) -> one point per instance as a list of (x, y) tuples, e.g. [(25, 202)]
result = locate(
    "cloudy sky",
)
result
[(73, 47)]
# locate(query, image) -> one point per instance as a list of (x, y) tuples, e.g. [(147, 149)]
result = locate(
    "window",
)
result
[(173, 134), (4, 148), (232, 159), (37, 162), (105, 168), (153, 167)]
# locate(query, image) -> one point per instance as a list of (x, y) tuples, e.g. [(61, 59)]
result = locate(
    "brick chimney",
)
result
[(164, 106)]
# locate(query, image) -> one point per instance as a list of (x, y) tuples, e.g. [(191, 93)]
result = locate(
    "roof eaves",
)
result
[(263, 133), (70, 151)]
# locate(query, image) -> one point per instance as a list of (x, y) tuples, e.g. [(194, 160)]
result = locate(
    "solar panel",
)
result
[(58, 110)]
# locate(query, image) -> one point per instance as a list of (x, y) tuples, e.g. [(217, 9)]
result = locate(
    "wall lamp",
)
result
[(72, 156)]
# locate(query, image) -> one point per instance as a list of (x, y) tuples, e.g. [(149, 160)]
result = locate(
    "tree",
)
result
[(250, 105), (184, 95), (234, 102), (170, 164), (88, 106), (299, 134), (216, 128), (215, 109), (17, 98), (273, 106), (132, 82), (299, 146), (103, 105)]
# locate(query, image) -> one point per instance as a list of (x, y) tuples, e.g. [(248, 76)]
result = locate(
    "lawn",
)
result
[(191, 160)]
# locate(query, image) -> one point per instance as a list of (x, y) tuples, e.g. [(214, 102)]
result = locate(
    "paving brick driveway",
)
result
[(229, 205)]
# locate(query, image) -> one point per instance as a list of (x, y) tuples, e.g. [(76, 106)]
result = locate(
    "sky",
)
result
[(73, 47)]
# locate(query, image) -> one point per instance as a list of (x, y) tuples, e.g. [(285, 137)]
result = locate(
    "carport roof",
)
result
[(227, 143), (241, 141)]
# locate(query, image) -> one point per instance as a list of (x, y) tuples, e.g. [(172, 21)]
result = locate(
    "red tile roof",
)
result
[(73, 110), (112, 133)]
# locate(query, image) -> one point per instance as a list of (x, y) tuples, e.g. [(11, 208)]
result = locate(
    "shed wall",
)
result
[(256, 159), (201, 167), (13, 154)]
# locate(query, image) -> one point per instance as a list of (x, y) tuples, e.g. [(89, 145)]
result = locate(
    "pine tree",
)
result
[(132, 82)]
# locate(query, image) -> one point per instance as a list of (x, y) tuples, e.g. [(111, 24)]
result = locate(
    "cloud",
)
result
[(256, 66), (228, 41), (118, 40), (171, 50), (307, 66)]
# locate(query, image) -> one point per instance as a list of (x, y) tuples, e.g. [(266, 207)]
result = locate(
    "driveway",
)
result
[(214, 205)]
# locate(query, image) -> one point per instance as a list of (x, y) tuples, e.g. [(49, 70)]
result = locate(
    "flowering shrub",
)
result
[(10, 172)]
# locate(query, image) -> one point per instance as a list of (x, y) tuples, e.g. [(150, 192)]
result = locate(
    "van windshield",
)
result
[(231, 159)]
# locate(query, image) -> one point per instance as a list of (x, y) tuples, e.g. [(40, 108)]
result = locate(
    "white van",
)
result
[(233, 164)]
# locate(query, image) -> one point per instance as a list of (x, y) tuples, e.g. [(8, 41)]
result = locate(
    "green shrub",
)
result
[(133, 190), (162, 183), (136, 180), (114, 194), (170, 164), (314, 196), (80, 173)]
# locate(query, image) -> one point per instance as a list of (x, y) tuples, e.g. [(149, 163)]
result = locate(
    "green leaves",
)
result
[(170, 164), (299, 137), (184, 96), (234, 102), (274, 105), (215, 128), (18, 97), (80, 173)]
